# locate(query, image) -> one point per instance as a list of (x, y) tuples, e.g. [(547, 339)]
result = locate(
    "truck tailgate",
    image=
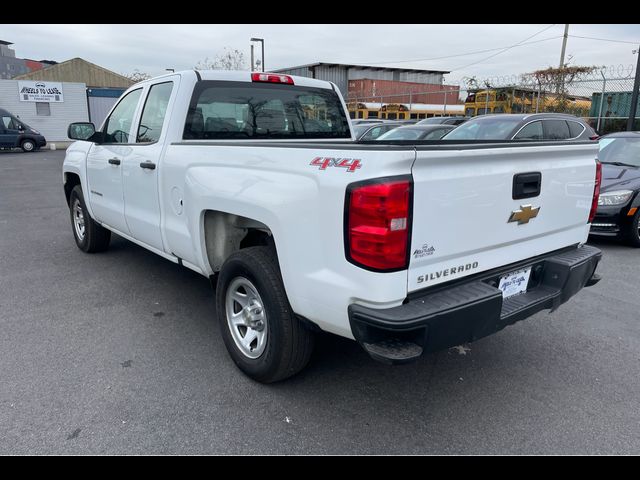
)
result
[(463, 204)]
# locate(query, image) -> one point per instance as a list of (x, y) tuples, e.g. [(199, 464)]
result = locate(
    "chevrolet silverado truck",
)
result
[(255, 181)]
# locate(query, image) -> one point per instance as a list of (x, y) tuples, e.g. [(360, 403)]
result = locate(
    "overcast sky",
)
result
[(153, 48)]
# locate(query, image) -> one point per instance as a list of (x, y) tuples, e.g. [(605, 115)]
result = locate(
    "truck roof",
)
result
[(243, 76)]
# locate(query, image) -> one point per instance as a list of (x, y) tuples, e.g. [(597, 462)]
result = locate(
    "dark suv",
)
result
[(524, 126), (15, 133)]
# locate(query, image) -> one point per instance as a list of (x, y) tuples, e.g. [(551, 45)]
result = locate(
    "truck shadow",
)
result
[(337, 360)]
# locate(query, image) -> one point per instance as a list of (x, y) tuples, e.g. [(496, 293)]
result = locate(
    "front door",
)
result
[(105, 162), (141, 168), (8, 132)]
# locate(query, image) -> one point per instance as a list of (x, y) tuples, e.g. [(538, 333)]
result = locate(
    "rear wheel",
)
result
[(262, 334), (28, 145), (633, 231), (90, 236)]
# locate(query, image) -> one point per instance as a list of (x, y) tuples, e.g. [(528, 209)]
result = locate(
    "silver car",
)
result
[(525, 127)]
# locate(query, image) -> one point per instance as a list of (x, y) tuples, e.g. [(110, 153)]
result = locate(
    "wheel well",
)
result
[(70, 181), (226, 233)]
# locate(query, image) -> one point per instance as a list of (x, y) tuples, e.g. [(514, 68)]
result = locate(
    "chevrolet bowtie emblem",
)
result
[(523, 215)]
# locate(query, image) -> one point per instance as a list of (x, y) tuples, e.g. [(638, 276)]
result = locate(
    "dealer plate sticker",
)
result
[(515, 282)]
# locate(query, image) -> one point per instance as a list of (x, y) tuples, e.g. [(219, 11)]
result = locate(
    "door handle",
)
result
[(114, 161), (148, 165)]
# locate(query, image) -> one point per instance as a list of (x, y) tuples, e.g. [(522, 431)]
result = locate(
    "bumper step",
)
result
[(471, 309), (393, 350)]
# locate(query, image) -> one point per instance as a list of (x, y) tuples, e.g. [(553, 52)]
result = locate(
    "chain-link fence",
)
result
[(603, 99)]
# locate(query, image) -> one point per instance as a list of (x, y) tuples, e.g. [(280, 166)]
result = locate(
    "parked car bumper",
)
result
[(611, 221), (470, 309)]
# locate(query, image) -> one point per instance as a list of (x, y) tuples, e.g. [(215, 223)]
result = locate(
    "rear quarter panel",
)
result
[(302, 205)]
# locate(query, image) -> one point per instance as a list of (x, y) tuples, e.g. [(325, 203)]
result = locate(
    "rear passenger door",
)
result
[(142, 166), (531, 131)]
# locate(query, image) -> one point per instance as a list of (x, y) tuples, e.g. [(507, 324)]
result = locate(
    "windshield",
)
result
[(402, 134), (620, 150), (360, 129), (487, 128)]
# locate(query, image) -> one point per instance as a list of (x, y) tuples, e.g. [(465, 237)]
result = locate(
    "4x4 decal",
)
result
[(351, 164)]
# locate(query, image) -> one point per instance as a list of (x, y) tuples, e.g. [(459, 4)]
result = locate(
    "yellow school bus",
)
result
[(363, 110), (521, 100), (401, 111)]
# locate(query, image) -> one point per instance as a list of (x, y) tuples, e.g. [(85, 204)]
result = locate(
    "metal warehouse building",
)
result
[(342, 74)]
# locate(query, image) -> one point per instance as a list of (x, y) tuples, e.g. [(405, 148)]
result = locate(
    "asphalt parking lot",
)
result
[(119, 353)]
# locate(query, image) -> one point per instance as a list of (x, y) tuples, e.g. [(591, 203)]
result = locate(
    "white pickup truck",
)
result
[(256, 181)]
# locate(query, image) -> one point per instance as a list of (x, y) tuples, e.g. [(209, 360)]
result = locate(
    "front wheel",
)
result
[(90, 236), (262, 334), (633, 232), (28, 145)]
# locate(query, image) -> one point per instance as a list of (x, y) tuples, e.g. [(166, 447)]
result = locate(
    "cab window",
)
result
[(118, 125), (153, 114)]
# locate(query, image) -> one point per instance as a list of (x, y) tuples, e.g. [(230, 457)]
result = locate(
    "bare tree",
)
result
[(560, 80), (137, 76), (231, 59)]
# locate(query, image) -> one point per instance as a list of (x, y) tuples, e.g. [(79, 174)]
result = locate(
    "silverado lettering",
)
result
[(446, 272)]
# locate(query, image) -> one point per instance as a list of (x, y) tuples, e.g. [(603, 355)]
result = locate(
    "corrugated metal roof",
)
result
[(373, 67)]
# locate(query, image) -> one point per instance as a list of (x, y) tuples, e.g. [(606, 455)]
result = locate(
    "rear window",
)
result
[(575, 128), (556, 130), (239, 110)]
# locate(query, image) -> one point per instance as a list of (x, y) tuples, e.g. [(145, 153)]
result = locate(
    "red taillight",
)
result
[(271, 78), (596, 192), (377, 224)]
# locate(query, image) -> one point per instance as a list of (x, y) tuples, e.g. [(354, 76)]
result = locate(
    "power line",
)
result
[(605, 39), (505, 49), (463, 54)]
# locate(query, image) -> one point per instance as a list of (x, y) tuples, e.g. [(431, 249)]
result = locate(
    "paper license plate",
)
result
[(515, 282)]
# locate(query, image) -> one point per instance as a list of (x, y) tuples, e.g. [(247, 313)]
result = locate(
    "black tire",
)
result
[(288, 342), (28, 145), (96, 238), (632, 235)]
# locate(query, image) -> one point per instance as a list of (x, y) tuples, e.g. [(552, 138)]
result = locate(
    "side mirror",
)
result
[(81, 131), (20, 127)]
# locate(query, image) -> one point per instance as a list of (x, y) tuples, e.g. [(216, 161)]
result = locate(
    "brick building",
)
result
[(389, 91), (368, 83)]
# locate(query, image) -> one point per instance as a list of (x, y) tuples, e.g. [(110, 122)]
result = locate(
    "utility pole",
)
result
[(564, 45), (634, 96), (252, 57), (561, 66)]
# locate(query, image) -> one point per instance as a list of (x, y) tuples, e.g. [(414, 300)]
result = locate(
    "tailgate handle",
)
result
[(526, 185)]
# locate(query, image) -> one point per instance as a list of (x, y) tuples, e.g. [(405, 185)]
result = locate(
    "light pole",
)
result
[(261, 40), (634, 96)]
